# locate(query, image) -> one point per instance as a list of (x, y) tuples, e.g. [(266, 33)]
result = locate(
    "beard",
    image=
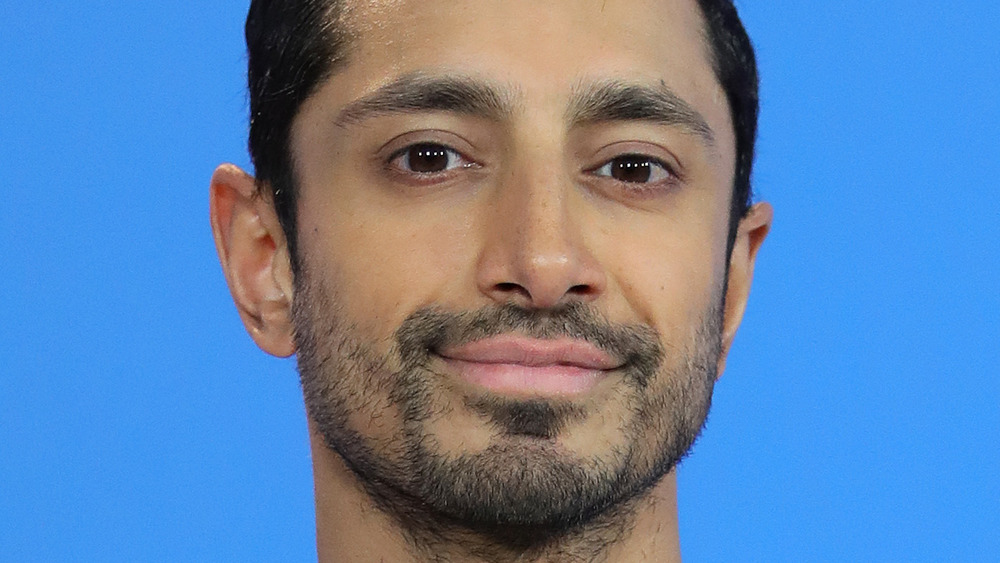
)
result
[(523, 486)]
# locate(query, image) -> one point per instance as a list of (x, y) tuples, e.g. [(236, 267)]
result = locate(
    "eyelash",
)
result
[(400, 160), (659, 172)]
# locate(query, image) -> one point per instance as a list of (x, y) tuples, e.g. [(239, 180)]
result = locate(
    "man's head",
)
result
[(293, 46), (510, 241)]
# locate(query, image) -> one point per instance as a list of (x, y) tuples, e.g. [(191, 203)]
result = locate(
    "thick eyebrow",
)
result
[(623, 101), (419, 92)]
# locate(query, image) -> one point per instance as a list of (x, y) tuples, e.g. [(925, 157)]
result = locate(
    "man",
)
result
[(510, 243)]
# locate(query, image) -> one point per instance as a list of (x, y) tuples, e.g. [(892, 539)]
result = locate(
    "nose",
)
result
[(535, 255)]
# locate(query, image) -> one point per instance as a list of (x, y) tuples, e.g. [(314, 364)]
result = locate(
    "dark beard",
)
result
[(522, 491)]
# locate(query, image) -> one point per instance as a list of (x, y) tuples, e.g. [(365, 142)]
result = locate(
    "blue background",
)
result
[(859, 418)]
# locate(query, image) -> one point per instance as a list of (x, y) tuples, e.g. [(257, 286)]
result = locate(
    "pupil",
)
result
[(631, 169), (428, 158)]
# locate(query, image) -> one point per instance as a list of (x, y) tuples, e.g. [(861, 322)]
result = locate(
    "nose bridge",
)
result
[(544, 234), (535, 253)]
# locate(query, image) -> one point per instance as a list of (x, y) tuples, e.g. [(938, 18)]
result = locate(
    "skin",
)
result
[(528, 218)]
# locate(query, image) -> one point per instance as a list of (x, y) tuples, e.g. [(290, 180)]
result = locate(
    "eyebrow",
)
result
[(622, 101), (597, 102), (414, 93)]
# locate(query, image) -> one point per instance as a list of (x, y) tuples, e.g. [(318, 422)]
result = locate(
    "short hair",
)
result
[(293, 46)]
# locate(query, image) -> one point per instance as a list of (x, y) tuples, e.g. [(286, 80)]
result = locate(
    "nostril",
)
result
[(513, 292), (582, 289)]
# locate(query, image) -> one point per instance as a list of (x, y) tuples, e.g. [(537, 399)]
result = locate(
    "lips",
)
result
[(527, 366)]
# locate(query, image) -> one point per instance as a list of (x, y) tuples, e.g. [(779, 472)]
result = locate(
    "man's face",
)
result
[(512, 233)]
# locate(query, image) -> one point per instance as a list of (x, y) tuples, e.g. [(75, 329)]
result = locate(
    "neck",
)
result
[(351, 528)]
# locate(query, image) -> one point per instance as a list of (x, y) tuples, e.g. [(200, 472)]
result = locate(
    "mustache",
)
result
[(428, 330)]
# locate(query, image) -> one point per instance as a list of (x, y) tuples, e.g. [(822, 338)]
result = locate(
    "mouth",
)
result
[(521, 366)]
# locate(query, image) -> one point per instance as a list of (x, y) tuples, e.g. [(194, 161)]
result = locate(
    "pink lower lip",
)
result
[(514, 364), (531, 380)]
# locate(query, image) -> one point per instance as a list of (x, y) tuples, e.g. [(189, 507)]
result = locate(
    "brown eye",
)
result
[(427, 158), (634, 169)]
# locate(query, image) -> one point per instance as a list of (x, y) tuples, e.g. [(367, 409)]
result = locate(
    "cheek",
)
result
[(384, 265), (668, 276)]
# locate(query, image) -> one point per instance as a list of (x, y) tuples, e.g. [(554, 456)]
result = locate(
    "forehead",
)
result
[(544, 51), (534, 43), (391, 26)]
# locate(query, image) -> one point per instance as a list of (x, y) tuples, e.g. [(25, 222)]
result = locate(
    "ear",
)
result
[(254, 258), (750, 235)]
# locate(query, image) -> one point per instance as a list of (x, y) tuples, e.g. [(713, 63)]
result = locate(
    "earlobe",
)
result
[(750, 235), (254, 258)]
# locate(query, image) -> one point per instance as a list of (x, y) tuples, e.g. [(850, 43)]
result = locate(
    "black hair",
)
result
[(294, 45), (735, 67)]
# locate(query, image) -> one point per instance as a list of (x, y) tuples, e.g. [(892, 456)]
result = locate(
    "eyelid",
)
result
[(666, 167), (448, 139), (645, 148), (453, 154), (445, 138)]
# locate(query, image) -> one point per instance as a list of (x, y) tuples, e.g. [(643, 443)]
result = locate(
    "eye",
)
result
[(635, 169), (428, 158)]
